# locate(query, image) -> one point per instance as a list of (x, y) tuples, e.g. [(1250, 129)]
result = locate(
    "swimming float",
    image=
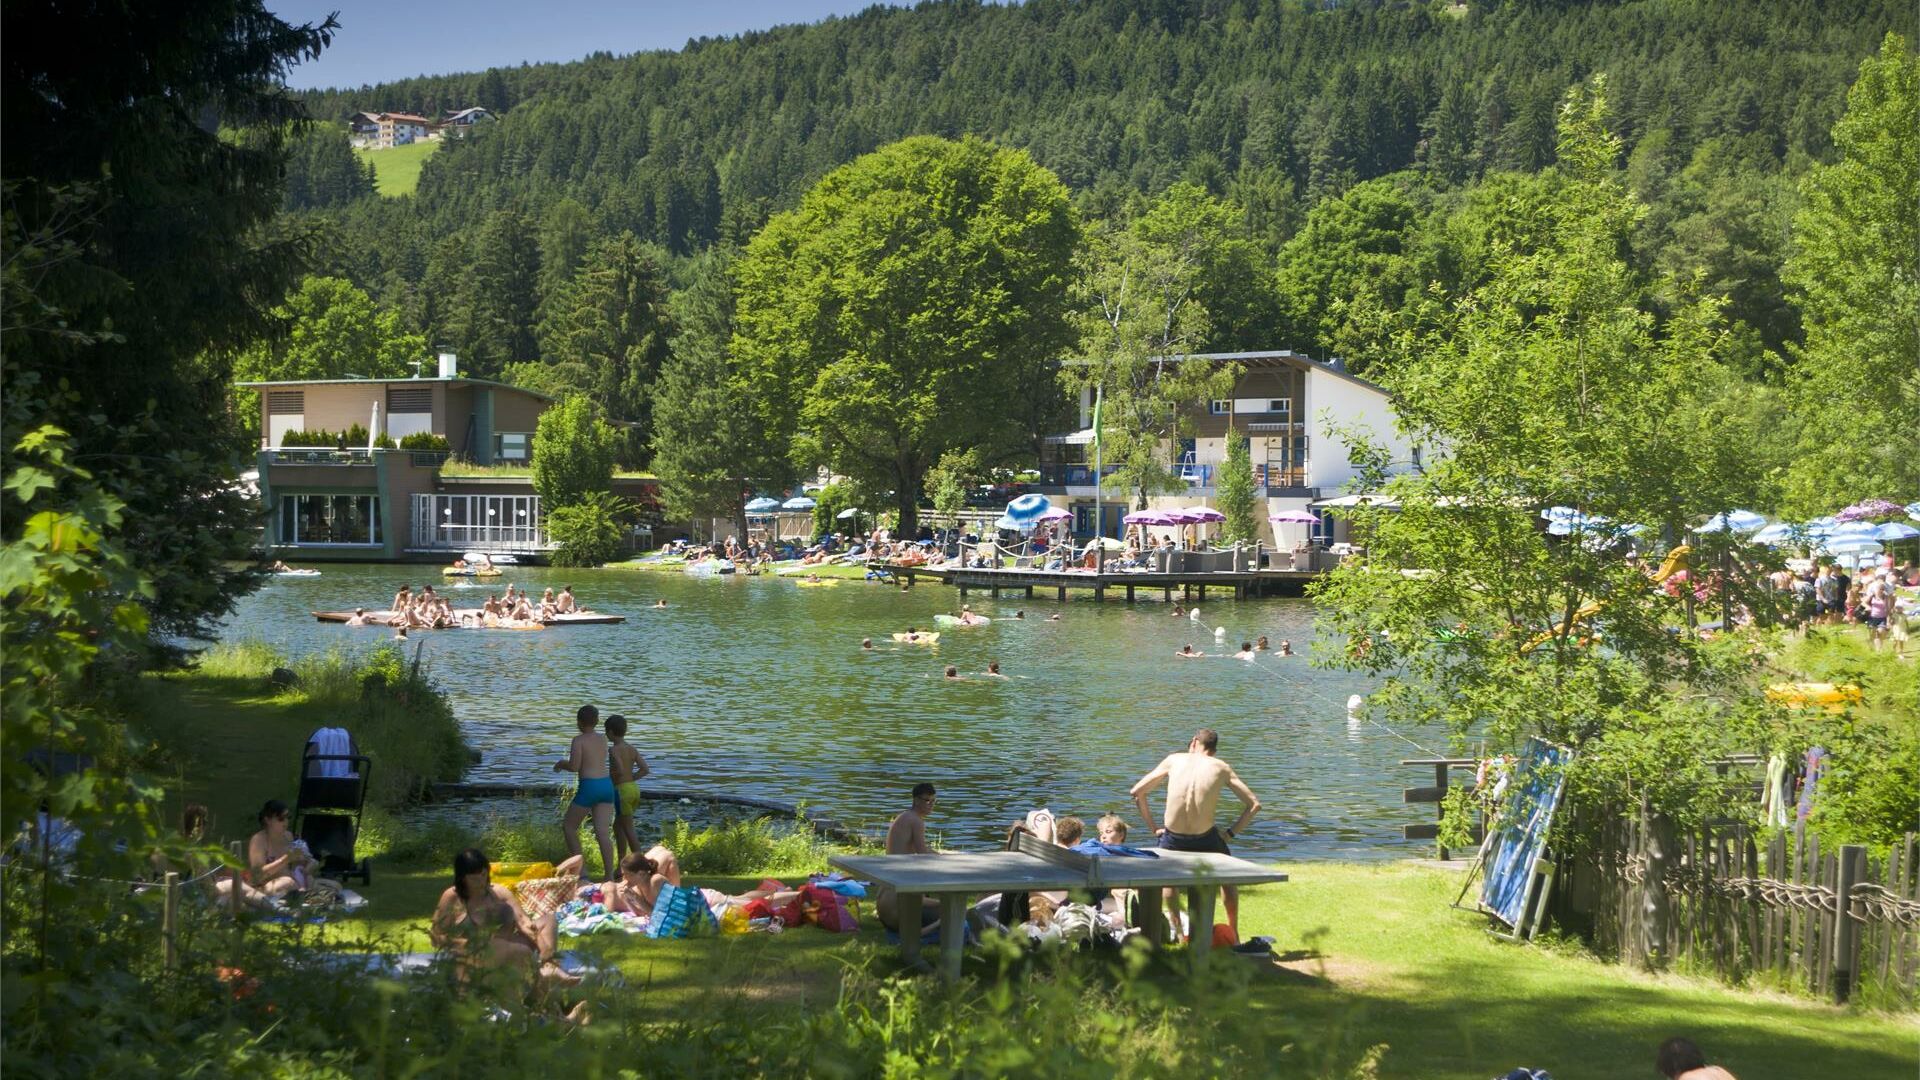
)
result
[(919, 638), (1833, 697), (296, 573), (468, 571), (955, 620)]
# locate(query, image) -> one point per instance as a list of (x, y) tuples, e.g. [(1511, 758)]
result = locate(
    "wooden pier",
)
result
[(1190, 585)]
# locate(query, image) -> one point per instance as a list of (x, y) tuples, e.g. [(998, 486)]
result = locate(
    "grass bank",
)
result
[(226, 734), (396, 170)]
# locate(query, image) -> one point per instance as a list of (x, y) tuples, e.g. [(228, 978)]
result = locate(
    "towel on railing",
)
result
[(331, 742)]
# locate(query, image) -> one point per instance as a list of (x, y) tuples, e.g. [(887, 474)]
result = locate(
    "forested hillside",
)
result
[(1363, 146)]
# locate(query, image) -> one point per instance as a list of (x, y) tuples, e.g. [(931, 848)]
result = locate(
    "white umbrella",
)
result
[(849, 512), (1734, 521), (798, 502), (1896, 530)]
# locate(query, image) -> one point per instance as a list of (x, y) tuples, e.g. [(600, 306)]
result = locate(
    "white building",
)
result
[(1288, 406)]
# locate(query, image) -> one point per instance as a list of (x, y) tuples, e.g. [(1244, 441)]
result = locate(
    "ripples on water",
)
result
[(754, 686)]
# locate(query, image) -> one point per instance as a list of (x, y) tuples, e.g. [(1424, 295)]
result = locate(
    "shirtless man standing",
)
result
[(908, 836), (1194, 779)]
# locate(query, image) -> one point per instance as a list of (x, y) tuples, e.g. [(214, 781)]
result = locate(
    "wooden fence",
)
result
[(1772, 906)]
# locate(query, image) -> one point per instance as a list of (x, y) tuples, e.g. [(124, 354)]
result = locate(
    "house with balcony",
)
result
[(363, 502), (1289, 407)]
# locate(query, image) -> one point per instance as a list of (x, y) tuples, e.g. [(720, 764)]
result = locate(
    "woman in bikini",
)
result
[(485, 928), (277, 867)]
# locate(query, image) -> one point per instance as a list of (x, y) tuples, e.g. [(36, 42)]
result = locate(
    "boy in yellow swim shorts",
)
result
[(627, 768)]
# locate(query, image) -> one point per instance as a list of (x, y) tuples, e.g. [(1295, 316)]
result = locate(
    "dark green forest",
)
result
[(1275, 106), (1362, 146)]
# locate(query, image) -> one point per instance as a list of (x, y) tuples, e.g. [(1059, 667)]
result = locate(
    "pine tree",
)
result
[(1236, 494)]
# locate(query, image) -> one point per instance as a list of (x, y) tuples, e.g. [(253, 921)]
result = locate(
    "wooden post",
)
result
[(1063, 592), (1846, 931), (233, 897), (1129, 594), (169, 916), (1441, 771), (1029, 592)]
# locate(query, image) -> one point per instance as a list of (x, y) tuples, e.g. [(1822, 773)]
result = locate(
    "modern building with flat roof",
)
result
[(364, 503)]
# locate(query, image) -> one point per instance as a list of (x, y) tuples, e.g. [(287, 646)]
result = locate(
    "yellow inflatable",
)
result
[(1833, 697), (920, 638)]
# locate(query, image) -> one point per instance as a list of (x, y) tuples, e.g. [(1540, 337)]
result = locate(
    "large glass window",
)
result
[(513, 446), (313, 520)]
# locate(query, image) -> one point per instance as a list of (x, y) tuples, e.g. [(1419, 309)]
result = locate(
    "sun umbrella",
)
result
[(1055, 513), (798, 502), (1107, 542), (1027, 509), (1205, 514), (1853, 530), (1896, 530), (848, 513), (1182, 516), (1913, 510), (1734, 521), (1150, 517), (1295, 517), (762, 505), (1778, 533), (1853, 546), (1008, 523)]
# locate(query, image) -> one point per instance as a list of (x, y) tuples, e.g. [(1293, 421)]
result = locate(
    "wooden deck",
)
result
[(380, 618), (1240, 583)]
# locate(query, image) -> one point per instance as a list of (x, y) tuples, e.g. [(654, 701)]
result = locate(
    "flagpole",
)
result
[(1099, 523)]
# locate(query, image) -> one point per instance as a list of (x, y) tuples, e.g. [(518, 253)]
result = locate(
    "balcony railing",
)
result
[(1195, 475), (319, 455)]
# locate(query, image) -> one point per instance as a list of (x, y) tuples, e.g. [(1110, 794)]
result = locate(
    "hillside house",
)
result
[(1286, 405), (460, 123)]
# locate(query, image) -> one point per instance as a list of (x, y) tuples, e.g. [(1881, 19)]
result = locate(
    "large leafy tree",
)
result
[(573, 454), (1547, 386), (332, 330), (144, 152), (608, 333), (904, 306), (1855, 271)]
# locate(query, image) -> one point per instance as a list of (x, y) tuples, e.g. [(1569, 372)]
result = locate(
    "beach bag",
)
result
[(833, 913), (758, 909), (680, 912), (543, 896), (735, 921)]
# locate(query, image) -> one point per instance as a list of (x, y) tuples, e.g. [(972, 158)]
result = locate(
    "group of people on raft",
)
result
[(428, 610)]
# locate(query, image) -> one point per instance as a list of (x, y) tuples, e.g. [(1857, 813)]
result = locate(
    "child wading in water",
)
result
[(628, 768), (587, 758)]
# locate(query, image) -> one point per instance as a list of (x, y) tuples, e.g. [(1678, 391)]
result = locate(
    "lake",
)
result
[(755, 686)]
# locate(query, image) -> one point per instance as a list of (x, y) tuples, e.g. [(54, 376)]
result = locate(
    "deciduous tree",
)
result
[(897, 311)]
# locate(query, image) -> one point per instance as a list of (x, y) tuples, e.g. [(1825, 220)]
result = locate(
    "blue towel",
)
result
[(1095, 847)]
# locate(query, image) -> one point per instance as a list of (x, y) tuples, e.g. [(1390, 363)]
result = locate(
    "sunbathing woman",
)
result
[(483, 925), (547, 607), (219, 886), (277, 866)]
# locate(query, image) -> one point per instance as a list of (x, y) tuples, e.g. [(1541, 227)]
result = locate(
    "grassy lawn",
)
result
[(1367, 954), (397, 168)]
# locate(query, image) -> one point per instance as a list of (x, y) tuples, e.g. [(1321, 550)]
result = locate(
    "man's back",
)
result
[(1193, 790), (907, 835)]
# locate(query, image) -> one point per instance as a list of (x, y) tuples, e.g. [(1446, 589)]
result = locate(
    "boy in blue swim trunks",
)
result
[(587, 759)]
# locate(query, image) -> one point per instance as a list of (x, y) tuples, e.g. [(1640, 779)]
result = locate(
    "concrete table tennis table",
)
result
[(1038, 866)]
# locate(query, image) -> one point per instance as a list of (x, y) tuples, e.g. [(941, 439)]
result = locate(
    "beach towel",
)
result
[(578, 918), (544, 896), (840, 883), (1095, 847), (680, 912), (331, 742)]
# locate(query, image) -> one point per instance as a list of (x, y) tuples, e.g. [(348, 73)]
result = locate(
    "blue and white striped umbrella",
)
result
[(1853, 530), (1026, 510), (1734, 521), (1777, 533), (798, 502), (762, 505), (1913, 510), (1896, 530)]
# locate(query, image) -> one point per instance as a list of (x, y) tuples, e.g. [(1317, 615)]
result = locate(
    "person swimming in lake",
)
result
[(993, 670), (1178, 612), (953, 673), (1261, 645), (1055, 617), (359, 617), (1019, 614), (1285, 649), (660, 603), (866, 643), (1246, 652), (1186, 652)]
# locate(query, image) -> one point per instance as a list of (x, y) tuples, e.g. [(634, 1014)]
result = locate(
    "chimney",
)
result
[(448, 365)]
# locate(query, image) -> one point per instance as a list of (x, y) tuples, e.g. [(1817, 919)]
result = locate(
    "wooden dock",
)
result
[(1191, 585)]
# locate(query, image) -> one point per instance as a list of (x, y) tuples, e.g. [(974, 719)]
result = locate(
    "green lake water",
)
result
[(755, 686)]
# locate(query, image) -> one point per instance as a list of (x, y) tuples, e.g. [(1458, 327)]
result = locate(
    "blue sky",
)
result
[(378, 42)]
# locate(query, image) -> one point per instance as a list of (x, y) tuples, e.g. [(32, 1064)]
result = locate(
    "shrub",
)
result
[(573, 454), (589, 532), (424, 440)]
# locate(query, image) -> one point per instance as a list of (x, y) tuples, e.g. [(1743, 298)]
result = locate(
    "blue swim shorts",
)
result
[(592, 792)]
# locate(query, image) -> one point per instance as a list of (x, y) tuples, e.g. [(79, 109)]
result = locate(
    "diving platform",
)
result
[(1241, 583)]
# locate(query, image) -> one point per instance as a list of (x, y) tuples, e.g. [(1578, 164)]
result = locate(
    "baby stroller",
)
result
[(333, 793)]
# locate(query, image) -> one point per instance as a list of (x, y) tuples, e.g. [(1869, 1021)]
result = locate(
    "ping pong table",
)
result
[(1038, 866)]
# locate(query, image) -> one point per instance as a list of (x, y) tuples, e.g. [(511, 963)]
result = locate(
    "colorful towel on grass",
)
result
[(578, 918)]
